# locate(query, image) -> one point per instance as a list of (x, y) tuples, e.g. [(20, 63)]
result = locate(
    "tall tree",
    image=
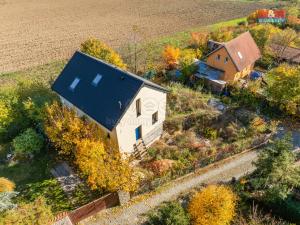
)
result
[(284, 88), (282, 40), (276, 174), (100, 50), (86, 143), (104, 167), (171, 56)]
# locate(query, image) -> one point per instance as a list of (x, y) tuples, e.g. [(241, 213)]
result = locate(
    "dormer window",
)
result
[(240, 55), (74, 84), (97, 80)]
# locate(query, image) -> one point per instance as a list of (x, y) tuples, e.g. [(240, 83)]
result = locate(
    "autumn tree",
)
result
[(213, 205), (104, 167), (84, 141), (262, 35), (36, 212), (276, 174), (100, 50), (199, 41), (282, 40), (171, 56), (187, 66), (252, 18), (222, 35), (284, 88), (66, 129), (6, 185)]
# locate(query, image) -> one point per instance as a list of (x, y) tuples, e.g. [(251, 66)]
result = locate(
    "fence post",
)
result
[(124, 197)]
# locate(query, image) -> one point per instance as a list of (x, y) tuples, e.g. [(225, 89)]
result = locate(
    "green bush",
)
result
[(36, 212), (211, 133), (21, 107), (28, 142), (169, 214)]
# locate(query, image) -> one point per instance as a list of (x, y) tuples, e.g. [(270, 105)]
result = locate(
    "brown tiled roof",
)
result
[(242, 50), (290, 54)]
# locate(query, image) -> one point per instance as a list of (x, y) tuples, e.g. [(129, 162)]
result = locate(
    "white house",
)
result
[(130, 109)]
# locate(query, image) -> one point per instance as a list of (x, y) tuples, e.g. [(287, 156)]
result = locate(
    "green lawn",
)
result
[(33, 179), (29, 171)]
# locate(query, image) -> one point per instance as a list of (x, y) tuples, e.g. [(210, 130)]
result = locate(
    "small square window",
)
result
[(218, 57), (154, 117), (138, 107)]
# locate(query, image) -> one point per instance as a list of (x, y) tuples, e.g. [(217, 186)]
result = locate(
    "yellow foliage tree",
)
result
[(64, 128), (213, 205), (95, 154), (6, 185), (199, 40), (171, 56), (5, 114), (98, 49), (104, 167), (222, 35)]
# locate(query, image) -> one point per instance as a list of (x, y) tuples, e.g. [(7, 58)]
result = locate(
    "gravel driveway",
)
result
[(134, 212)]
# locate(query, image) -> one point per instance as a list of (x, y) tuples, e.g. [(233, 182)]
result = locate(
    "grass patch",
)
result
[(29, 171), (44, 73)]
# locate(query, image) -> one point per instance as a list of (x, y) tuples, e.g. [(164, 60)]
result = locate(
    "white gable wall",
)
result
[(152, 101)]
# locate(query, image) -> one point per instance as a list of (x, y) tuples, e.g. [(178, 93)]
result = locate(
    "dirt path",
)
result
[(134, 213), (35, 32)]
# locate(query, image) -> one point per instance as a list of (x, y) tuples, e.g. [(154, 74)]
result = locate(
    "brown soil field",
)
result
[(34, 32)]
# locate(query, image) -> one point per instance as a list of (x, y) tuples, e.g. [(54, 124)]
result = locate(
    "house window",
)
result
[(226, 60), (138, 107), (74, 83), (154, 117), (218, 57)]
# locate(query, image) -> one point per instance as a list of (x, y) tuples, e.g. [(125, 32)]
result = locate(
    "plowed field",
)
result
[(34, 32)]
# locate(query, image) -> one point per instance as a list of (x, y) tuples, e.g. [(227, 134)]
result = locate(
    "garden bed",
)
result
[(197, 134)]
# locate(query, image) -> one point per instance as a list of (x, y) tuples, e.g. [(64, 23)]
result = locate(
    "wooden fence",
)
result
[(77, 215), (94, 207)]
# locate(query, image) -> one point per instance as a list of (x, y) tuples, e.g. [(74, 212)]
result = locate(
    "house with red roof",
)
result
[(235, 58)]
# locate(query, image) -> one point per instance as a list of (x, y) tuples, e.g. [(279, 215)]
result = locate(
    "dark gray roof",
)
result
[(101, 102)]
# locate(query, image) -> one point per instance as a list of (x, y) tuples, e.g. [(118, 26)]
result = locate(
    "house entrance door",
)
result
[(138, 133)]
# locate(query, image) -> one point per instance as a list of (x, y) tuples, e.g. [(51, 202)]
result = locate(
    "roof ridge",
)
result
[(145, 81), (236, 38)]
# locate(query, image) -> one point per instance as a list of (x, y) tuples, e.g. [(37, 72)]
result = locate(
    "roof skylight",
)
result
[(74, 83), (240, 55), (97, 80)]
